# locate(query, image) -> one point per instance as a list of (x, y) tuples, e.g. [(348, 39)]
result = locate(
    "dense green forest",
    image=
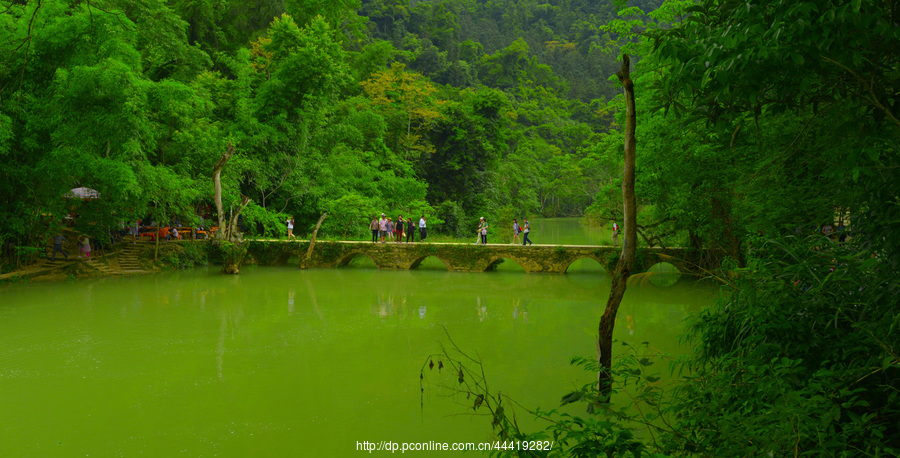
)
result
[(759, 124), (452, 109)]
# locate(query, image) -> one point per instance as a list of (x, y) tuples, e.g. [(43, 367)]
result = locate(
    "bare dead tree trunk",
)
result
[(227, 236), (626, 260), (231, 229), (217, 181), (312, 242)]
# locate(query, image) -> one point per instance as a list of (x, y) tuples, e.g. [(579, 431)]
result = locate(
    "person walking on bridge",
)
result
[(615, 233), (374, 227), (410, 228), (290, 227), (383, 227), (526, 228), (516, 230), (482, 229), (422, 232), (398, 229)]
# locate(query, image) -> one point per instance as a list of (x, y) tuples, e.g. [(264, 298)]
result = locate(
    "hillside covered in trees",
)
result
[(454, 109)]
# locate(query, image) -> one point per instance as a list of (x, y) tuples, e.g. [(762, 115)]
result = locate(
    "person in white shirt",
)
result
[(526, 228), (422, 232), (290, 227)]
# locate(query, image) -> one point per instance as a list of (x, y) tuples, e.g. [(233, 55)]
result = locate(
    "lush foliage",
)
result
[(762, 123), (330, 106), (759, 123)]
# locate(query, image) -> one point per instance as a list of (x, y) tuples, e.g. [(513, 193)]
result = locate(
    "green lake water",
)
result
[(284, 362)]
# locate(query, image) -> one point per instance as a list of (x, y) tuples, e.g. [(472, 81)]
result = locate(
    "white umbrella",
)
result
[(83, 193)]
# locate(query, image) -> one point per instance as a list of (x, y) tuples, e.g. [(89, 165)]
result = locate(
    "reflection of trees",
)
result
[(385, 305), (230, 316), (312, 299), (394, 304)]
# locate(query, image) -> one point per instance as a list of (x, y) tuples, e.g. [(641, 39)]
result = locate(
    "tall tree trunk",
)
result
[(217, 181), (312, 242), (722, 211), (227, 236), (626, 260)]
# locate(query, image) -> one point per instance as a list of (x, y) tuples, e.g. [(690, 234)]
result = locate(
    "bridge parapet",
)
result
[(459, 257)]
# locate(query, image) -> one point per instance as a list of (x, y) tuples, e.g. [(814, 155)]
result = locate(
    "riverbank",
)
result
[(122, 259)]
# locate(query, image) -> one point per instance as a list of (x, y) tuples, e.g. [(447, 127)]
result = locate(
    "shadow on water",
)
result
[(432, 263), (586, 265), (506, 265), (361, 261)]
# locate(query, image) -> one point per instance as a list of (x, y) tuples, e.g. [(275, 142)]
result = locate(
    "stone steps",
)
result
[(102, 266), (128, 260)]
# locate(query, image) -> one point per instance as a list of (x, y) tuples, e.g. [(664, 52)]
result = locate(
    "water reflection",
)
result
[(523, 312), (217, 365)]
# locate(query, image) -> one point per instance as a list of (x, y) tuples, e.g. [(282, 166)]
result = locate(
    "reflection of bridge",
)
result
[(460, 257)]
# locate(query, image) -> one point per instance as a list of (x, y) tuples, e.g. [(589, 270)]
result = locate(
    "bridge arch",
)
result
[(664, 273), (600, 262), (471, 258), (664, 265), (418, 261), (497, 260), (676, 260), (347, 258)]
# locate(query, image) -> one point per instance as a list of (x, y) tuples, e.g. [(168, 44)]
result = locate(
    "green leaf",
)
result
[(887, 362), (874, 153)]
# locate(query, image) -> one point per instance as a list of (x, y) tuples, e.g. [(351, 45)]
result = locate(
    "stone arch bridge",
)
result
[(461, 257)]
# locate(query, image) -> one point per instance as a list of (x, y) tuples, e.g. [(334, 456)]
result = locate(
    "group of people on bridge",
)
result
[(524, 229), (387, 230)]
